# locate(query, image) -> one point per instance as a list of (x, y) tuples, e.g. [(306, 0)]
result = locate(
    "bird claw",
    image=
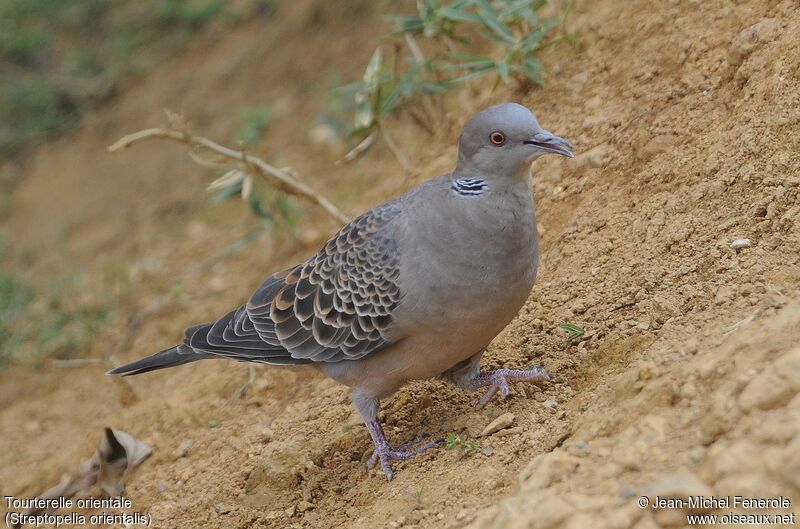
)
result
[(387, 454), (498, 380), (373, 459)]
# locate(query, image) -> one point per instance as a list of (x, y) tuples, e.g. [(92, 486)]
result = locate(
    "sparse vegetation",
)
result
[(461, 443), (58, 58), (460, 40), (184, 13), (39, 323), (268, 204), (271, 206), (254, 123), (33, 111), (266, 196), (464, 39)]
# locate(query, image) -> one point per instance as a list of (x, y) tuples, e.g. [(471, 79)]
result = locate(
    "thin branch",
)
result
[(273, 175), (359, 149), (387, 138)]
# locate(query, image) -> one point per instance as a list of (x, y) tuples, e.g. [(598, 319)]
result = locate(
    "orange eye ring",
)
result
[(497, 138)]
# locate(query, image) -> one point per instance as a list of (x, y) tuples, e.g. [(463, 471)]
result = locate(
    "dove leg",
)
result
[(385, 452), (468, 375)]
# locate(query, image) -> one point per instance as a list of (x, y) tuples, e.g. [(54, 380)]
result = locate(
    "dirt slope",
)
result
[(687, 115)]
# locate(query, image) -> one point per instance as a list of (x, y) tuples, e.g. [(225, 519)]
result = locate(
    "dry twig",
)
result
[(278, 178)]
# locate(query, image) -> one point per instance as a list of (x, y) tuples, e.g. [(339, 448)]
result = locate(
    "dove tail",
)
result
[(174, 356)]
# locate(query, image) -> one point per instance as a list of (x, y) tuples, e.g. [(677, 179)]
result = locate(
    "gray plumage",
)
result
[(415, 288)]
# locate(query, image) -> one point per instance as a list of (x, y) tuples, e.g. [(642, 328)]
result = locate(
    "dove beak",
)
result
[(549, 142)]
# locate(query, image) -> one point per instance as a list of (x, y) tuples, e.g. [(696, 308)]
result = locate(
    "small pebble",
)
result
[(510, 431), (266, 434), (182, 449), (304, 506), (551, 403), (738, 244), (274, 515), (223, 508), (487, 450), (500, 423)]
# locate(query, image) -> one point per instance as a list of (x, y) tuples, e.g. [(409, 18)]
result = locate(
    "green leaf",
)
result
[(430, 87), (452, 440), (572, 329), (467, 56), (257, 207), (365, 98), (348, 90), (492, 37), (473, 74), (404, 89), (532, 69), (373, 68), (228, 192), (489, 18), (254, 122), (534, 38), (283, 206), (485, 63), (406, 24), (389, 102), (513, 10), (458, 15), (502, 70)]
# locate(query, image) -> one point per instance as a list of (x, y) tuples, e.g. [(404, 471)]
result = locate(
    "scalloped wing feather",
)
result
[(337, 305)]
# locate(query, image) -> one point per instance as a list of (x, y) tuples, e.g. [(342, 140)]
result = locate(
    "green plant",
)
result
[(254, 122), (268, 204), (263, 186), (21, 45), (40, 323), (33, 111), (84, 62), (187, 13), (461, 443), (49, 47), (573, 331), (464, 40), (514, 25), (14, 295)]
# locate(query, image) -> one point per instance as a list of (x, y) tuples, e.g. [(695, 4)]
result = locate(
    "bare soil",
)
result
[(686, 116)]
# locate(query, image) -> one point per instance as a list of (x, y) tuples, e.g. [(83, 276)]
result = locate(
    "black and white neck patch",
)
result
[(469, 187)]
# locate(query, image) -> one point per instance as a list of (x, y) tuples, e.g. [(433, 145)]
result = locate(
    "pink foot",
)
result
[(498, 380), (387, 453)]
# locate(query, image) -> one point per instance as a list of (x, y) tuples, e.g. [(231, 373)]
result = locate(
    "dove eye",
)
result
[(497, 137)]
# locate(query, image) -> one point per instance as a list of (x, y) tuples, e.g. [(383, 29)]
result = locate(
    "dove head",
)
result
[(503, 140)]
